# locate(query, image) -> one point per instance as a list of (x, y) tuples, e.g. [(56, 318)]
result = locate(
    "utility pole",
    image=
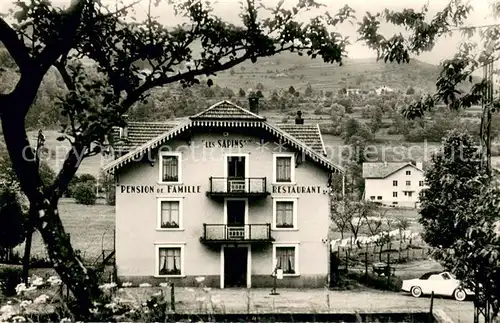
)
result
[(482, 306), (487, 105), (30, 225)]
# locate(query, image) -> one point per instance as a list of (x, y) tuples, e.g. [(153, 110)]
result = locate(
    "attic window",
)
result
[(170, 167), (284, 170)]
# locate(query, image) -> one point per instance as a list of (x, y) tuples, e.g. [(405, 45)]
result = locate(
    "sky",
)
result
[(229, 10)]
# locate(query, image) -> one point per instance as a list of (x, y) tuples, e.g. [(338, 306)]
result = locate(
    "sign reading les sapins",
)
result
[(226, 143)]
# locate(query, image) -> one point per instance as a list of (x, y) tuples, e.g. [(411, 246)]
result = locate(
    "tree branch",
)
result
[(63, 45), (65, 75), (73, 159), (15, 46)]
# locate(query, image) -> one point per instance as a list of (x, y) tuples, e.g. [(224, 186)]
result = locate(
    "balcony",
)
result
[(248, 233), (249, 187)]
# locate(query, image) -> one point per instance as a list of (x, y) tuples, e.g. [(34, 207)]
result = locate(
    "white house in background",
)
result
[(384, 90), (353, 91), (395, 184)]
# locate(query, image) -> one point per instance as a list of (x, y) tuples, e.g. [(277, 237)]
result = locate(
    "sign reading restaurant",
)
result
[(286, 189), (145, 189)]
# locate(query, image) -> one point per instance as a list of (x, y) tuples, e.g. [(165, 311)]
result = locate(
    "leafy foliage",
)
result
[(85, 193), (460, 216), (12, 218), (10, 277), (454, 181)]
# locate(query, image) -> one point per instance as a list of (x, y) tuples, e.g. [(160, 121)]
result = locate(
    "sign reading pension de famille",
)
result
[(145, 189)]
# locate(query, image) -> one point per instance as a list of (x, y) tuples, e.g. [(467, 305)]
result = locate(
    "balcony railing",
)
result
[(249, 186), (244, 233)]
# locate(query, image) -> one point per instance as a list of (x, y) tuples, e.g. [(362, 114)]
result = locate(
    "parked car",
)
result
[(440, 282)]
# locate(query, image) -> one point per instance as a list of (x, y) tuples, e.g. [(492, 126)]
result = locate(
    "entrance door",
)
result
[(235, 219), (236, 173), (235, 266)]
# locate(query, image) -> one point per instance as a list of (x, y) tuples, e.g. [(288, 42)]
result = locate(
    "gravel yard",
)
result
[(198, 300)]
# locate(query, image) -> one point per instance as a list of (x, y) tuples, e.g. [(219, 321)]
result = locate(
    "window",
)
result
[(408, 172), (394, 183), (410, 194), (169, 260), (169, 214), (379, 197), (394, 194), (394, 203), (285, 214), (372, 197), (420, 183), (285, 257), (170, 167), (284, 168), (408, 183)]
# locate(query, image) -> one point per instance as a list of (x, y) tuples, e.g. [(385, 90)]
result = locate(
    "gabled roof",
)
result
[(226, 110), (145, 136), (383, 170)]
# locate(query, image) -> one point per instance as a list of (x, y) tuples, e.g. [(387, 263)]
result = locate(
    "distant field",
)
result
[(91, 229), (58, 150)]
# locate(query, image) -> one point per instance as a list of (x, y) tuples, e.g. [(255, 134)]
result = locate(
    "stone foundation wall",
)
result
[(258, 281)]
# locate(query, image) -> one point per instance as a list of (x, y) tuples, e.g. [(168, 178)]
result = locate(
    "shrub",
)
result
[(10, 277), (85, 194)]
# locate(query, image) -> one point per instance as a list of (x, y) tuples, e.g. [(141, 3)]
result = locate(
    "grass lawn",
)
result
[(91, 229)]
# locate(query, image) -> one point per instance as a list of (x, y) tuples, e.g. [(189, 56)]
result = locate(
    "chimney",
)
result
[(419, 165), (253, 102), (298, 118), (385, 163), (124, 129)]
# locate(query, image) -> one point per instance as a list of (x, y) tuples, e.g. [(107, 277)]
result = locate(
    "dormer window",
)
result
[(170, 168)]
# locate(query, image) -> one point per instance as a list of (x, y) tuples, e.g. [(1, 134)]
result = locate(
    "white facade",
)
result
[(399, 188), (383, 90)]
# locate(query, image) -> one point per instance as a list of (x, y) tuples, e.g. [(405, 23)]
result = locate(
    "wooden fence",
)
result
[(391, 253)]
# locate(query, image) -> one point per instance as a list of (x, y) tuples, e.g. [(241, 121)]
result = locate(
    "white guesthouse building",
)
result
[(394, 184)]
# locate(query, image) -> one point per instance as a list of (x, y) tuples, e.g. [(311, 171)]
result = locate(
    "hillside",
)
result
[(289, 69)]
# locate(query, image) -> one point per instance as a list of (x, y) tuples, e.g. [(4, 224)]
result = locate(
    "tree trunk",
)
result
[(45, 217), (27, 254), (81, 281)]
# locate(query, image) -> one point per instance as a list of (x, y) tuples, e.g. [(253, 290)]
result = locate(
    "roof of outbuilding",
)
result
[(382, 170)]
